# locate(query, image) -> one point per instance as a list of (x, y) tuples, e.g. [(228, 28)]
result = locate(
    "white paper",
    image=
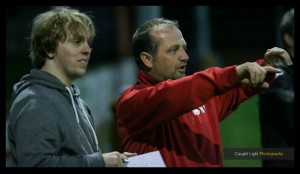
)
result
[(151, 159)]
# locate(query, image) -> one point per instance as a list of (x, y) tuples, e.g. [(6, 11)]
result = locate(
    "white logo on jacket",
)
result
[(199, 110)]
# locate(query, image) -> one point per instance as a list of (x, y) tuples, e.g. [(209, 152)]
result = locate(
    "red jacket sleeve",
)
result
[(143, 107), (229, 101)]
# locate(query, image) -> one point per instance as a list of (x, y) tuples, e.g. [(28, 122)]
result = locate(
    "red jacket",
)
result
[(180, 118)]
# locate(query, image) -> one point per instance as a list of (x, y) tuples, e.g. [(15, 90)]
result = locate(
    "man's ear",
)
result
[(147, 59), (50, 55), (289, 40)]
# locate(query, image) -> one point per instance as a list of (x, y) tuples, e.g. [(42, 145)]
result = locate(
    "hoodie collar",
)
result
[(37, 76)]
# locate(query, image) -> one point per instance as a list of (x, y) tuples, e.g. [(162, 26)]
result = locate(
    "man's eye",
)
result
[(174, 50), (90, 43), (77, 42)]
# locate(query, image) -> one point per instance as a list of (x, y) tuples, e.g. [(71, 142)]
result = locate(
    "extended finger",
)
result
[(270, 69)]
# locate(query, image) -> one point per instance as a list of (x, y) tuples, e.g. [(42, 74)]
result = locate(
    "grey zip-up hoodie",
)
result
[(50, 126)]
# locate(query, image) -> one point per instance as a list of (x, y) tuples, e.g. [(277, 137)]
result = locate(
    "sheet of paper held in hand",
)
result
[(151, 159)]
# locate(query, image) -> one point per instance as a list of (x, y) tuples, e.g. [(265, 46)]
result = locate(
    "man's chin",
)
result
[(180, 75)]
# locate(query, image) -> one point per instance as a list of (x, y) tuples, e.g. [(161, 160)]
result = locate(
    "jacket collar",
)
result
[(144, 78)]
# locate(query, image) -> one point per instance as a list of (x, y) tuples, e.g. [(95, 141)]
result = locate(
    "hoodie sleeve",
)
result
[(38, 139)]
